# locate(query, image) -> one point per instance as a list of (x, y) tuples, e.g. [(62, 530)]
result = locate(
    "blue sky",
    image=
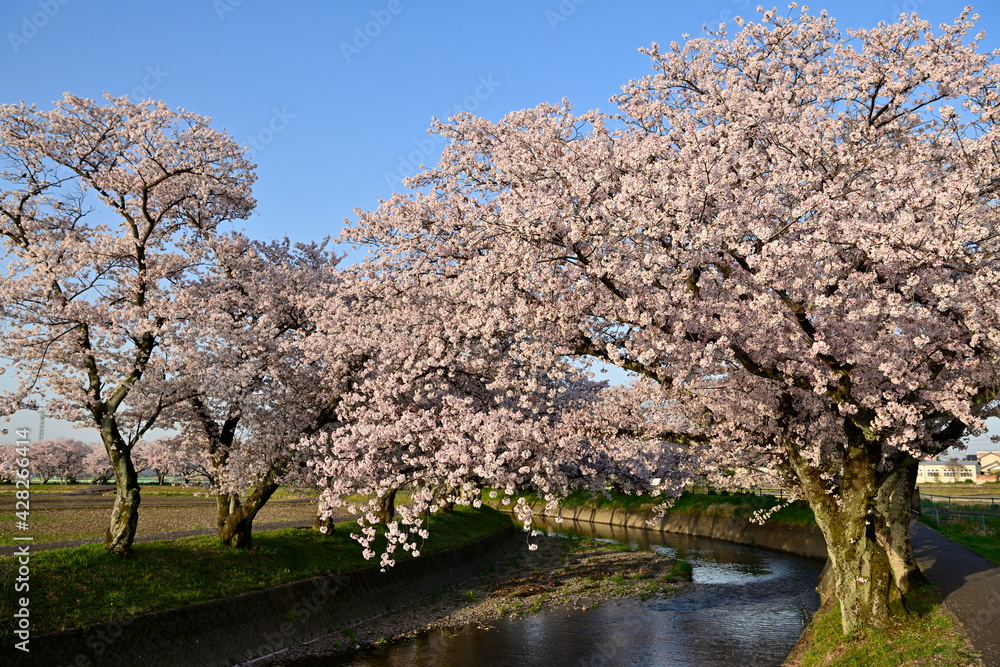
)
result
[(335, 98)]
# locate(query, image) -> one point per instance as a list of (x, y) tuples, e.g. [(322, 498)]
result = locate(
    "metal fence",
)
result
[(777, 493), (988, 503), (984, 510)]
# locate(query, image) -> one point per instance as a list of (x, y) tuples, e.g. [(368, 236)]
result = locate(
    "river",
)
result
[(747, 608)]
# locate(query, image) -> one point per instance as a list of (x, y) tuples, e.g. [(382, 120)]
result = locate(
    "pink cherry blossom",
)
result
[(791, 230), (105, 208)]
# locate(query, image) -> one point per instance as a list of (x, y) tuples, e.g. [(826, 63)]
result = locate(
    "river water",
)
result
[(747, 608)]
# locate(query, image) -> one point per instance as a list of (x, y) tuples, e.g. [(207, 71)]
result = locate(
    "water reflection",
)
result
[(747, 609)]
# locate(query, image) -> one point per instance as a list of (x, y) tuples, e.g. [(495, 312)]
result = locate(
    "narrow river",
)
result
[(747, 609)]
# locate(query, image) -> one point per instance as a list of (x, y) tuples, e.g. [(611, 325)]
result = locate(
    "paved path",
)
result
[(969, 583)]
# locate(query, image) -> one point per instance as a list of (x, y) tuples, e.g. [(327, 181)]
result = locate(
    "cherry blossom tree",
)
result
[(58, 457), (171, 455), (251, 392), (8, 466), (106, 208), (792, 230), (46, 456), (451, 400), (97, 464), (67, 456)]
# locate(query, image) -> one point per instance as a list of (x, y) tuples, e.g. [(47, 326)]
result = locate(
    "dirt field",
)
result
[(57, 516)]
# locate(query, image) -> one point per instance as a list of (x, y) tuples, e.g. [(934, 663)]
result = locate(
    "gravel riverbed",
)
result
[(561, 572)]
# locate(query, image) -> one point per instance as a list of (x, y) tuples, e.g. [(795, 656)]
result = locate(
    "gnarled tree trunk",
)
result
[(386, 511), (864, 581), (865, 572), (235, 517), (125, 513), (892, 513)]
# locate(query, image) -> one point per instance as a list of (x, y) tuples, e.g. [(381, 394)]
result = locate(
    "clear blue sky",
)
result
[(335, 97)]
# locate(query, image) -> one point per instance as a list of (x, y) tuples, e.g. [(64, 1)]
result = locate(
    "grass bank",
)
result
[(85, 585), (743, 506), (981, 534), (928, 637), (720, 503)]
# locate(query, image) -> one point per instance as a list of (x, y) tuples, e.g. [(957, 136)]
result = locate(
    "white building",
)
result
[(937, 472)]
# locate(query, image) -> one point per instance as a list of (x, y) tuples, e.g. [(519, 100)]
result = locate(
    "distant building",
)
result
[(938, 472), (989, 466)]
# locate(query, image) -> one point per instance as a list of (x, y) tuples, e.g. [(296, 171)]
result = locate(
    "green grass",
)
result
[(86, 585), (614, 500), (971, 533), (681, 571), (928, 637), (742, 506)]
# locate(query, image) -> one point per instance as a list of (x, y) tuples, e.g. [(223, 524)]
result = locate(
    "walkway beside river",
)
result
[(970, 586)]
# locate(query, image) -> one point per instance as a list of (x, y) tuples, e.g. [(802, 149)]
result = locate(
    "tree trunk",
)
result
[(892, 512), (125, 513), (386, 511), (444, 497), (324, 526), (235, 517), (865, 586)]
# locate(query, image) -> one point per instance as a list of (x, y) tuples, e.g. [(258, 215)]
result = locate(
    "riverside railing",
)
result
[(992, 502), (984, 510)]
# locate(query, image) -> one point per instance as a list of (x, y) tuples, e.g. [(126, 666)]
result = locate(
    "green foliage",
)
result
[(86, 585)]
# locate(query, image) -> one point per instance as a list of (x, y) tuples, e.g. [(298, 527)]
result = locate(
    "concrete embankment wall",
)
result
[(801, 540), (237, 629)]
